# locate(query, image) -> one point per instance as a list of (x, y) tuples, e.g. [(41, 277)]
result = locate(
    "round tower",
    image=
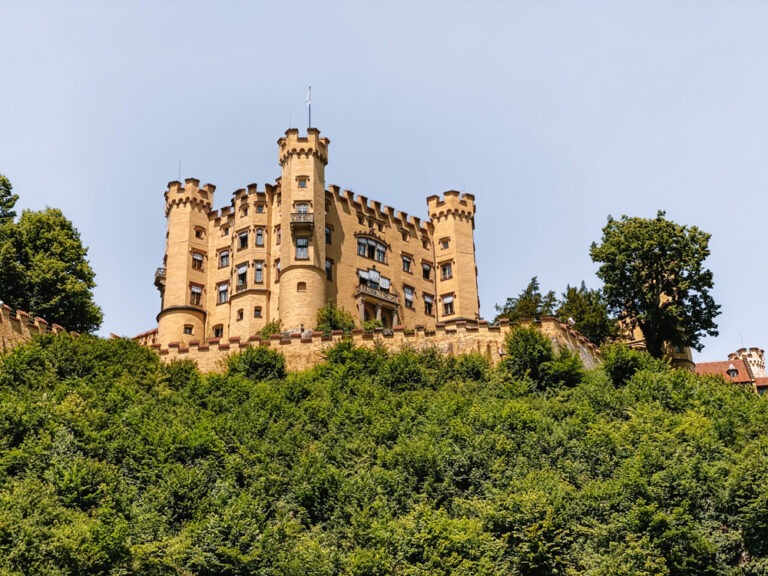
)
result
[(453, 223), (182, 280), (302, 221)]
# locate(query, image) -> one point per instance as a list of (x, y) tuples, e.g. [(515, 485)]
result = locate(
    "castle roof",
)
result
[(743, 372)]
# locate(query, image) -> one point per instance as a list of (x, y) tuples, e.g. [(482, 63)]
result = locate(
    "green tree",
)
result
[(529, 304), (528, 349), (257, 363), (655, 279), (330, 318), (43, 269), (588, 311), (7, 200)]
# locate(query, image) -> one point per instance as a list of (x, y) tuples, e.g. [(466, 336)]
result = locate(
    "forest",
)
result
[(375, 463)]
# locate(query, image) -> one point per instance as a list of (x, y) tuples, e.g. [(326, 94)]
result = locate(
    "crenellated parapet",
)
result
[(18, 326), (303, 351), (311, 145), (189, 194), (453, 203), (755, 357)]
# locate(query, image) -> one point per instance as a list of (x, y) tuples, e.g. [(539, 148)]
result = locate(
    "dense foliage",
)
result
[(655, 279), (374, 463), (584, 308), (330, 318), (44, 267)]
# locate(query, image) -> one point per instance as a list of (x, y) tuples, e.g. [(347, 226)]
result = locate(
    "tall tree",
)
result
[(588, 311), (529, 304), (7, 200), (43, 269), (655, 279)]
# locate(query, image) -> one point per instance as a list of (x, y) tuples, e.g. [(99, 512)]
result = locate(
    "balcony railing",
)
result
[(241, 288), (376, 293), (160, 278), (302, 219)]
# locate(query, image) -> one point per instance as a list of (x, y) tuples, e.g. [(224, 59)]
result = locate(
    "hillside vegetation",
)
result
[(375, 463)]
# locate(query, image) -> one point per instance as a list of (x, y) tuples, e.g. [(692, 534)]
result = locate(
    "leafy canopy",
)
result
[(330, 318), (44, 270), (529, 304), (588, 311), (7, 200), (654, 278)]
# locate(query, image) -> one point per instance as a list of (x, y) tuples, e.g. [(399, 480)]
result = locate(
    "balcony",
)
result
[(302, 220), (160, 279), (376, 293)]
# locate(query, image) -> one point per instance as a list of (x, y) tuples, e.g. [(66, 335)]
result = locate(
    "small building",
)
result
[(283, 252), (745, 367)]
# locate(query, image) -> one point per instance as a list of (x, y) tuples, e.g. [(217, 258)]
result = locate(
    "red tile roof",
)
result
[(744, 375)]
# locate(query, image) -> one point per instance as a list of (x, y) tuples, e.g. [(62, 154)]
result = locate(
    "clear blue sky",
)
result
[(554, 114)]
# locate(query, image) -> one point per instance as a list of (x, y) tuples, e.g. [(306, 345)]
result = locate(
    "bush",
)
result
[(259, 363), (527, 350), (330, 318), (565, 370), (620, 362), (274, 327)]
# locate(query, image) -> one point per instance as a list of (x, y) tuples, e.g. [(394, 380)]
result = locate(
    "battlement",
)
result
[(375, 209), (755, 357), (18, 326), (190, 193), (305, 350), (310, 145), (453, 203)]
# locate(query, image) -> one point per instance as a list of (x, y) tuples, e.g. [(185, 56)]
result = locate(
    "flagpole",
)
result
[(309, 107)]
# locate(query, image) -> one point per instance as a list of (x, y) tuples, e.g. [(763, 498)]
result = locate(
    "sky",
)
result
[(554, 114)]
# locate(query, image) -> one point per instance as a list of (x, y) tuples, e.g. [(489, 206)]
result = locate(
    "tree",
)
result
[(588, 311), (330, 318), (655, 280), (529, 304), (7, 200), (44, 270)]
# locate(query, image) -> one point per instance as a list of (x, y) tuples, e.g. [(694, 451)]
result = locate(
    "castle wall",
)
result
[(17, 327), (303, 352)]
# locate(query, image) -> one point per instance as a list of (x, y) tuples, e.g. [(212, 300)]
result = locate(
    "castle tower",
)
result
[(755, 357), (453, 219), (183, 279), (302, 222)]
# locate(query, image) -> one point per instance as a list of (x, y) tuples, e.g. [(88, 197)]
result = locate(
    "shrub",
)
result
[(565, 370), (620, 362), (259, 363), (330, 318), (274, 327), (527, 350)]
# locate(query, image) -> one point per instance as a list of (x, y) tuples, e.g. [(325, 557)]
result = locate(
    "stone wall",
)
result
[(304, 351), (16, 327)]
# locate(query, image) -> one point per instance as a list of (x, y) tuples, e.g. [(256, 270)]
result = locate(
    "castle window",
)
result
[(302, 248), (223, 293), (225, 231), (372, 249), (425, 244), (405, 235), (445, 242), (259, 274), (244, 211), (426, 271), (197, 261), (277, 271), (242, 277), (302, 208), (239, 314), (259, 237), (188, 329), (448, 305), (428, 299), (408, 296), (242, 238), (257, 312), (199, 232), (446, 271), (259, 208), (407, 262), (328, 269), (302, 181), (360, 219), (327, 234), (195, 294), (223, 258), (218, 331), (301, 287), (278, 235)]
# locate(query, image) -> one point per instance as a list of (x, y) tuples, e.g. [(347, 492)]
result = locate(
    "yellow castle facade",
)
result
[(284, 252)]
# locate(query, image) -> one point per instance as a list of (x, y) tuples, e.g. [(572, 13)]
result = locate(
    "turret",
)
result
[(182, 279), (302, 221), (453, 221), (755, 357)]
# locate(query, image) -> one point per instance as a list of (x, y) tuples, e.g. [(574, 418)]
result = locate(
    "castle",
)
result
[(284, 252)]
